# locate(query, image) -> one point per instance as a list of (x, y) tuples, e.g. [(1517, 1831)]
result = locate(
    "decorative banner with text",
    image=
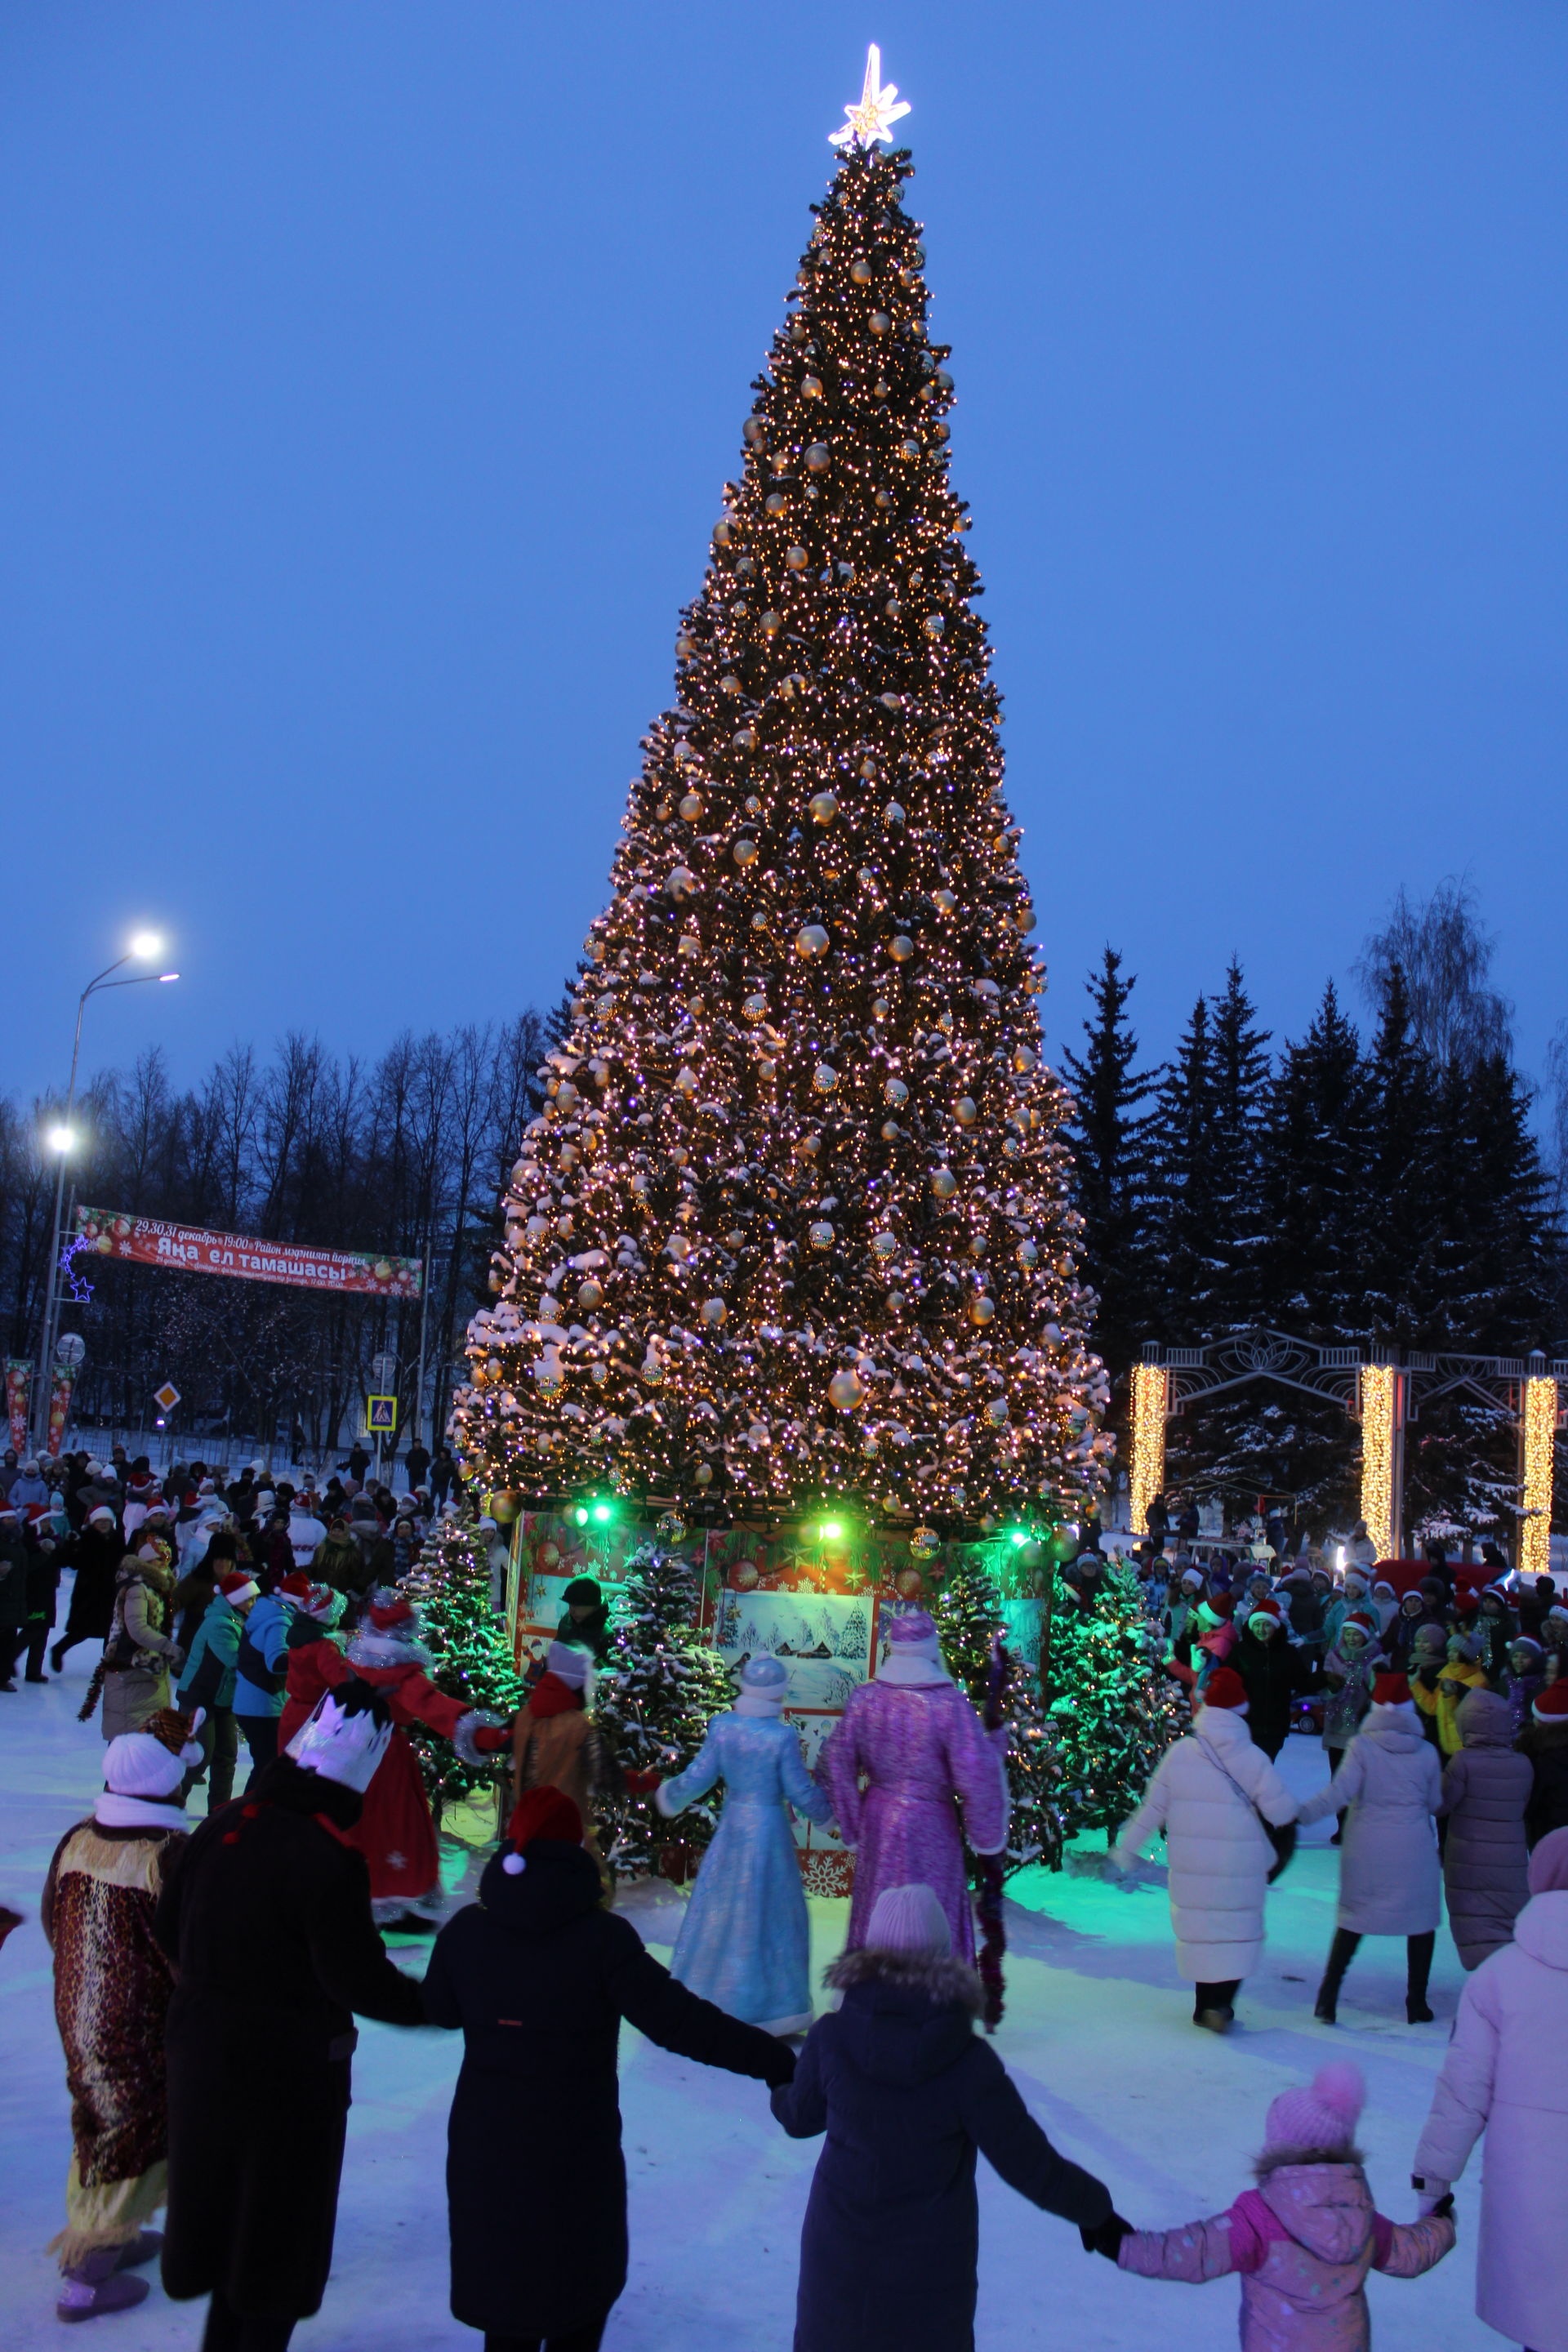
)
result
[(19, 1374), (190, 1249)]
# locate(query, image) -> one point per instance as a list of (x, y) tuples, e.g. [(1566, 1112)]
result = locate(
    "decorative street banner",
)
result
[(60, 1406), (822, 1605), (18, 1376), (190, 1249)]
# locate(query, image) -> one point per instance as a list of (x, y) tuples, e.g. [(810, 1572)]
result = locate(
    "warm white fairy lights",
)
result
[(1379, 1400), (1538, 1440), (1147, 1477)]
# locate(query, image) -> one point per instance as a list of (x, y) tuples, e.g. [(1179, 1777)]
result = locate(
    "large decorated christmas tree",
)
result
[(792, 1224)]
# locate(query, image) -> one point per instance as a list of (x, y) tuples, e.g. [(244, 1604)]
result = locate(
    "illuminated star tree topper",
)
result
[(871, 121)]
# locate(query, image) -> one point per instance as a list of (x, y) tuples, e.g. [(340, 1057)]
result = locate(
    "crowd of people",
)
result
[(270, 1907)]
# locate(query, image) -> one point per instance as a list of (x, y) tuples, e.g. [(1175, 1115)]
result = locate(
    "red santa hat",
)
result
[(311, 1599), (390, 1613), (1224, 1688), (1217, 1609), (1364, 1623), (237, 1584), (1392, 1690), (543, 1812), (1550, 1705), (1267, 1607), (1466, 1604)]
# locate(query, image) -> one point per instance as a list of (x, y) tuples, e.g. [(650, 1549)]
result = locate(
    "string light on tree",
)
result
[(792, 1227), (1538, 1441), (1379, 1399)]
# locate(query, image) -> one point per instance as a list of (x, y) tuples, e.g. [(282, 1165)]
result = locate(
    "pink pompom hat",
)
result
[(1320, 2118)]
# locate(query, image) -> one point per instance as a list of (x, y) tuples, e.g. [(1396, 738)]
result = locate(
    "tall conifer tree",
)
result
[(1110, 1165), (793, 1222)]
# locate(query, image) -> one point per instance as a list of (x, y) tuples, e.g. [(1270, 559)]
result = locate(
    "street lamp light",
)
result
[(61, 1141)]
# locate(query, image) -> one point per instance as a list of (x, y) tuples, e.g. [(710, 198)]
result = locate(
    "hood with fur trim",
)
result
[(907, 2016)]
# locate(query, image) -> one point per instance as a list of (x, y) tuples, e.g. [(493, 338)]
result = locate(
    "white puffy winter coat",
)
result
[(1219, 1855), (1506, 2073)]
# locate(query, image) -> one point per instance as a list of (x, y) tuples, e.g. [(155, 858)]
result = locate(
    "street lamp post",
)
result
[(62, 1140)]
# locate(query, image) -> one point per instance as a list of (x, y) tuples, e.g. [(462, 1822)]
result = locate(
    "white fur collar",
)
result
[(116, 1812), (907, 1670), (367, 1647)]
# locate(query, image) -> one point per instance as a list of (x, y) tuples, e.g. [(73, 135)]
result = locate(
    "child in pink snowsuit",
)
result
[(1306, 2237)]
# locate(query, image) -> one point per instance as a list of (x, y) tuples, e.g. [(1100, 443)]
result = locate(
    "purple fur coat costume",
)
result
[(909, 1751)]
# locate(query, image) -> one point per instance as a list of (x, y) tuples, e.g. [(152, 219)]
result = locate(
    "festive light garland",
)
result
[(1146, 1475), (1538, 1444), (793, 1224), (1379, 1396)]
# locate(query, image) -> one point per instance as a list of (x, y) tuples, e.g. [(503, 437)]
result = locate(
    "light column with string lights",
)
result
[(1381, 1391), (1146, 1477), (1537, 1409)]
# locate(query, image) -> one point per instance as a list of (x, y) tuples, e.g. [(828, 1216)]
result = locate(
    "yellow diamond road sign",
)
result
[(167, 1397)]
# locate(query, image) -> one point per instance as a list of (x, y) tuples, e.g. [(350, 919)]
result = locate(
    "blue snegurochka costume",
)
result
[(746, 1944)]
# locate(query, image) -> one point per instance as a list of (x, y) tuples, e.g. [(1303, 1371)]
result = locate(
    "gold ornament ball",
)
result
[(880, 323), (934, 625), (598, 1374), (566, 1096), (744, 739), (897, 1302), (755, 808), (884, 1245), (824, 1078), (965, 1111), (796, 558), (774, 503), (811, 385), (755, 1008), (744, 853), (996, 1413), (703, 1473), (680, 881), (860, 270), (925, 1543), (900, 947), (845, 1391), (820, 1236), (590, 1293), (1027, 1254), (822, 808), (890, 1131), (895, 1093), (1025, 919), (818, 458), (811, 940), (771, 623), (880, 1009), (943, 1183), (691, 807), (981, 1309), (729, 683), (1024, 1057)]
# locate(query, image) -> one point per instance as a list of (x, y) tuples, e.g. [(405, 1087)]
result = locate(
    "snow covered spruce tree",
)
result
[(1113, 1713), (968, 1613), (470, 1657), (793, 1223), (653, 1703)]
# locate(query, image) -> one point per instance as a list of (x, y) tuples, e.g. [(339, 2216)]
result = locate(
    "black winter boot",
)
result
[(1418, 1951), (1341, 1951)]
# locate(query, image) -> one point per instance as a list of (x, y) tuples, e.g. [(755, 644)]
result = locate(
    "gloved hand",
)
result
[(1434, 2195), (1444, 2208), (781, 2071), (491, 1737), (1106, 2236)]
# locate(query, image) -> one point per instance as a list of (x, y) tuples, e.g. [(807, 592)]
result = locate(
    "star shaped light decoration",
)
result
[(879, 108)]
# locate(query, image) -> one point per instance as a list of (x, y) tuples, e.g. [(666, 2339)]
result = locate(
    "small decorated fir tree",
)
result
[(653, 1704), (471, 1658), (968, 1614), (1114, 1714)]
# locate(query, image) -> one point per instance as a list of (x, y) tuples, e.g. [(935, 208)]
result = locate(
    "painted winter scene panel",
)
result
[(824, 1640)]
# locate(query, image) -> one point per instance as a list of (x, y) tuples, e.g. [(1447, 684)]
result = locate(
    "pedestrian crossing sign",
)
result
[(381, 1415)]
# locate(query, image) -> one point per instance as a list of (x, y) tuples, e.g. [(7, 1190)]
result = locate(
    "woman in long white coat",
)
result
[(1506, 2073), (1206, 1795)]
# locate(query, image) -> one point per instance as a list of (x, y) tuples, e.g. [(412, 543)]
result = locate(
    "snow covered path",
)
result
[(1098, 2034)]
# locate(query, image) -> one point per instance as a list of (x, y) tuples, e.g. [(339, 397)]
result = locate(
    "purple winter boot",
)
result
[(145, 2247), (97, 2285)]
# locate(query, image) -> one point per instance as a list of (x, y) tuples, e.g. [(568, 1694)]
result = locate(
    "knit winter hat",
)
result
[(1431, 1637), (915, 1634), (143, 1763), (1550, 1705), (543, 1812), (1322, 2117), (236, 1585), (582, 1592), (568, 1664), (1549, 1864), (1468, 1646), (1526, 1642), (1224, 1688), (1392, 1691), (908, 1920)]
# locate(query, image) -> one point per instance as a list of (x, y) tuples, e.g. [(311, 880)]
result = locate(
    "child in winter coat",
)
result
[(907, 2093), (1526, 1676), (1428, 1654), (1348, 1670), (1462, 1673), (1306, 2237)]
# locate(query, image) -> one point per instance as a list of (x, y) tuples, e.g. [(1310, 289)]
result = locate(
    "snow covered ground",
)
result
[(1098, 2035)]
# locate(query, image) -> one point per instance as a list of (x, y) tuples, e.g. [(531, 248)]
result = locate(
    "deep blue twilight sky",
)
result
[(370, 374)]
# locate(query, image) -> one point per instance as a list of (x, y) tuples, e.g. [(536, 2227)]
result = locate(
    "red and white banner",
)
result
[(18, 1376), (191, 1249)]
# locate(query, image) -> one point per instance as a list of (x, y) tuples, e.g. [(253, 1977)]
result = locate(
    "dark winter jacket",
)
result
[(1304, 1606), (1273, 1672), (1546, 1745), (906, 2093), (1486, 1788), (13, 1577), (591, 1633), (267, 1916), (538, 1977), (339, 1561), (95, 1555)]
